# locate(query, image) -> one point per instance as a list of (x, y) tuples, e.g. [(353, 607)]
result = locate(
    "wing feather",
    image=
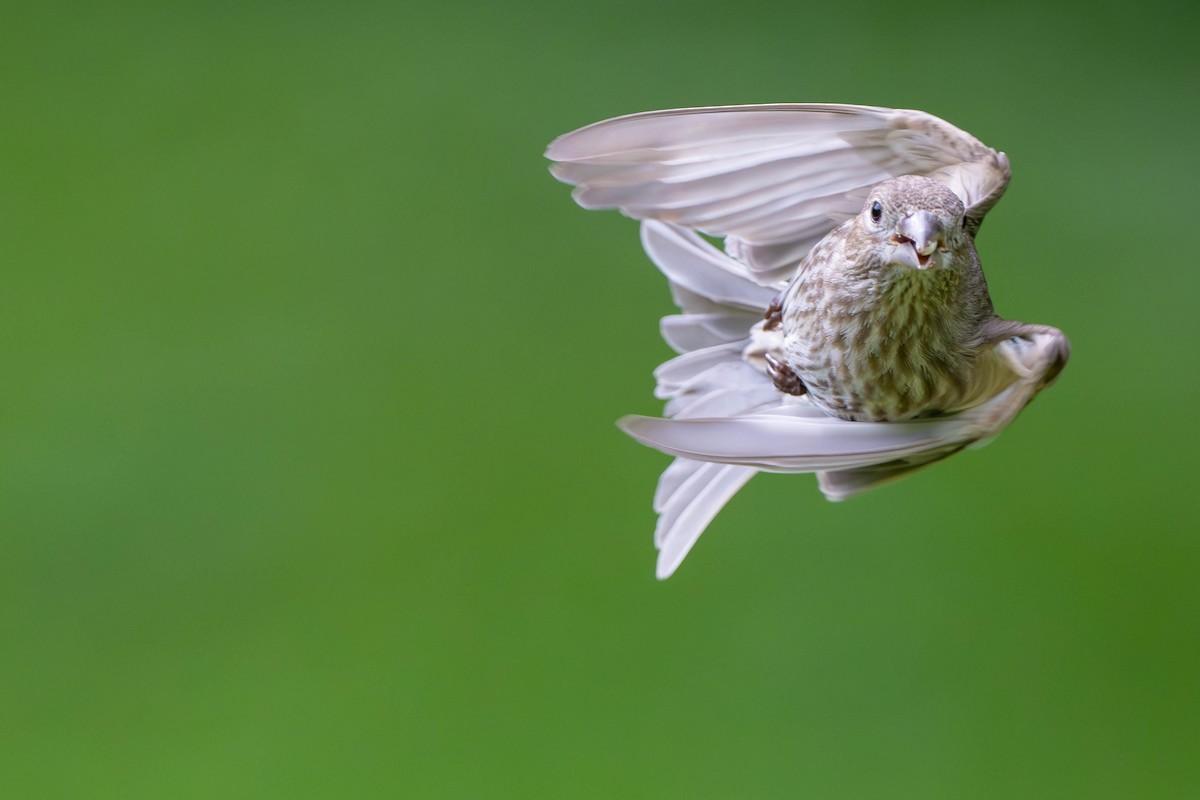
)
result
[(772, 179)]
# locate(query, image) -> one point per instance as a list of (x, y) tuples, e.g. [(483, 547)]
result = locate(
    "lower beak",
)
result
[(923, 234)]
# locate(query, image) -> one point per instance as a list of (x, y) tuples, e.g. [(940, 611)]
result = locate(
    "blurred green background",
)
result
[(309, 484)]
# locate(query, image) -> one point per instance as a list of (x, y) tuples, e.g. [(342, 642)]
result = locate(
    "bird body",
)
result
[(873, 338), (846, 330)]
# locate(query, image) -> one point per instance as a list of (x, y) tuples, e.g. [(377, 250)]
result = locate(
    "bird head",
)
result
[(914, 221)]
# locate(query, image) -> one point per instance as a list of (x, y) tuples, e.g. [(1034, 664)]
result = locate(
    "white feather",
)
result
[(693, 264), (687, 332), (689, 509), (773, 179)]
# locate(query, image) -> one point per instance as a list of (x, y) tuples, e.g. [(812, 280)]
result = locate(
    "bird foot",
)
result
[(774, 315), (785, 379)]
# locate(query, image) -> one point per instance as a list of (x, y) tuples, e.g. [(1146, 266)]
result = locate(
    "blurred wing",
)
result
[(772, 179)]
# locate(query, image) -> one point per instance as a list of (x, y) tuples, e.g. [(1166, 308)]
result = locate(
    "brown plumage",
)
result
[(873, 336)]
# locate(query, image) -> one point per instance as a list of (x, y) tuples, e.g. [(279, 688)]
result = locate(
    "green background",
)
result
[(309, 484)]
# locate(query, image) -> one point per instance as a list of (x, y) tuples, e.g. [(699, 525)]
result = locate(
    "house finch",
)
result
[(880, 355)]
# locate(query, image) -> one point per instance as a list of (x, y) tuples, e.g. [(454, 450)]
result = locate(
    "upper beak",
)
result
[(924, 232)]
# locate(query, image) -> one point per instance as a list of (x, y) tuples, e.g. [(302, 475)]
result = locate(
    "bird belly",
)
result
[(879, 371)]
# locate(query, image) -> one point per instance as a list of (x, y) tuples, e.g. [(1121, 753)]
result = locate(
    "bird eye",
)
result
[(876, 211)]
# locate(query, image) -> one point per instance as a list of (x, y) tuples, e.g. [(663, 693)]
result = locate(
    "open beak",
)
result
[(920, 237)]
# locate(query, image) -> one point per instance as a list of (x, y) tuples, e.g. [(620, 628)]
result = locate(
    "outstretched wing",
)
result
[(772, 179)]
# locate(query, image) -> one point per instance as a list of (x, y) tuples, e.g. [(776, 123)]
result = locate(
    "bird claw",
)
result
[(785, 379), (774, 315)]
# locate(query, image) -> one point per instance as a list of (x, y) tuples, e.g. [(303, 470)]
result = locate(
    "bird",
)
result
[(844, 328)]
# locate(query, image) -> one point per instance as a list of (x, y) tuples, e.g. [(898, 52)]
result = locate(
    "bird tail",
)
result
[(720, 303)]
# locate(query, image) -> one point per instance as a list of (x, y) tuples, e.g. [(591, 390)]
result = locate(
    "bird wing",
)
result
[(772, 179), (797, 437)]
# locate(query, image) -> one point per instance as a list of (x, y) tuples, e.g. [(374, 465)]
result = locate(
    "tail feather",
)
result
[(688, 332), (720, 304), (690, 505)]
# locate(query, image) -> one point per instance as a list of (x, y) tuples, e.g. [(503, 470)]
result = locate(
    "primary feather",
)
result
[(773, 179)]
